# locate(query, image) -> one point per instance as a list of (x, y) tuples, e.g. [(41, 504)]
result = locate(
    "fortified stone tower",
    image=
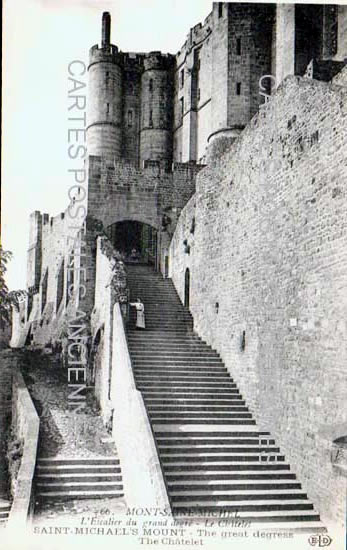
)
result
[(241, 50), (157, 107), (105, 114)]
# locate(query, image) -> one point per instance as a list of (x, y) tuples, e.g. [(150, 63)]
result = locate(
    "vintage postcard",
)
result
[(173, 282)]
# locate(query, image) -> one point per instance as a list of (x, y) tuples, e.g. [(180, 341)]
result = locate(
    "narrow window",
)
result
[(107, 108), (330, 30), (151, 118), (182, 78), (60, 286), (182, 106), (151, 85), (130, 118), (220, 9), (44, 291), (70, 276), (238, 88), (238, 46)]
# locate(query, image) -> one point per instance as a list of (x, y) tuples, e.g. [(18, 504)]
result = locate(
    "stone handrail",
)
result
[(27, 422), (141, 470)]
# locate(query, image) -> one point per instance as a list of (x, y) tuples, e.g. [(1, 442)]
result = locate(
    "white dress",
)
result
[(140, 314)]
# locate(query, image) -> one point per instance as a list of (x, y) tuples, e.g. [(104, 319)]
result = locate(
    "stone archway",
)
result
[(135, 240)]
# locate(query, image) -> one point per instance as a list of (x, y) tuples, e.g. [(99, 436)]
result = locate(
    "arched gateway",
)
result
[(137, 241)]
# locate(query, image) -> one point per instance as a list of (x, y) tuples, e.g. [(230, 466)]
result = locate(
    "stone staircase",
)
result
[(212, 455), (78, 478), (5, 507)]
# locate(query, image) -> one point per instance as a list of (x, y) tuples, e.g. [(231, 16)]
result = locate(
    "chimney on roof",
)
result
[(106, 30)]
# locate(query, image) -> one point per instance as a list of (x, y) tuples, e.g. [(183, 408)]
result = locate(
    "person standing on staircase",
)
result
[(140, 314)]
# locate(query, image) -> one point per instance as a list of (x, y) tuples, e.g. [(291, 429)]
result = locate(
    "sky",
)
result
[(40, 39)]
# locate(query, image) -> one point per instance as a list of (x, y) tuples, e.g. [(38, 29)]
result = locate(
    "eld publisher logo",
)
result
[(320, 540)]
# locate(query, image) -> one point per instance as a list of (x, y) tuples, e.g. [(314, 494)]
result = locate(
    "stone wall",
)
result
[(270, 248), (60, 262), (25, 427), (5, 336), (110, 286), (124, 192), (7, 364), (341, 78), (144, 483)]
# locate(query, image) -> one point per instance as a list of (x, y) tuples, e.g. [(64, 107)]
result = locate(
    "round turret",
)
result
[(156, 107), (104, 127)]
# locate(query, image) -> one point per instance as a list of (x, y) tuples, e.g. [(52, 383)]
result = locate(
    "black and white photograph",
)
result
[(173, 275)]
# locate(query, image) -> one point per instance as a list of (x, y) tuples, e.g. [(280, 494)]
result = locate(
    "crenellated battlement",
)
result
[(196, 35), (132, 60), (109, 54), (158, 61), (103, 167)]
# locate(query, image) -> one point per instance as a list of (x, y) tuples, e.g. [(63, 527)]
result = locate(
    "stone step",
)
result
[(200, 415), (157, 315), (295, 506), (174, 326), (77, 468), (218, 458), (151, 401), (209, 434), (55, 461), (139, 350), (206, 476), (181, 365), (80, 485), (162, 337), (184, 330), (157, 367), (157, 291), (213, 418), (140, 353), (78, 494), (190, 337), (203, 442), (291, 498), (199, 378), (231, 486), (173, 385), (223, 454), (180, 361), (208, 421), (216, 450), (195, 408), (185, 468), (178, 391), (78, 477), (185, 383), (153, 343), (174, 369), (146, 347)]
